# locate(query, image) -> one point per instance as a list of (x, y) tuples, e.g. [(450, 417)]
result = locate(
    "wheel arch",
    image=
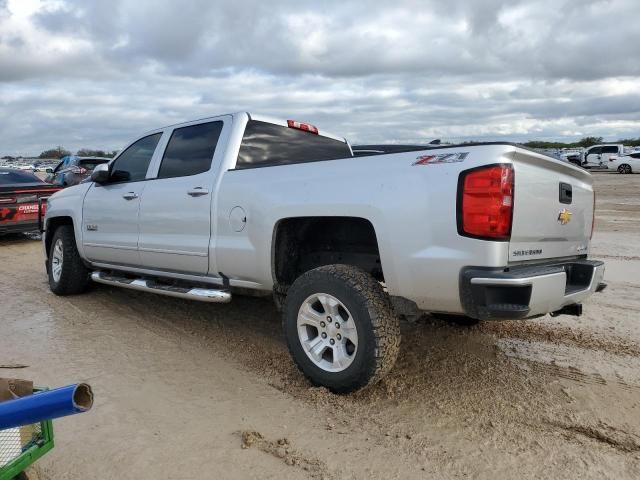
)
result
[(52, 224), (300, 244)]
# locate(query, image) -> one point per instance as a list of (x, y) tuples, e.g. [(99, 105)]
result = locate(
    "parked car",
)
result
[(597, 157), (242, 203), (72, 170), (625, 164), (20, 196), (574, 158)]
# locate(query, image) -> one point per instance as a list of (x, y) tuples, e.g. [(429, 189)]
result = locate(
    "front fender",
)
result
[(67, 203)]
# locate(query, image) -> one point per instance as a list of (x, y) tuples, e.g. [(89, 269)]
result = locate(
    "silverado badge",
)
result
[(564, 216)]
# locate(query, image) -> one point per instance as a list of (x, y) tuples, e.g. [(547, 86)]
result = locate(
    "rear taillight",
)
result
[(307, 127), (485, 202)]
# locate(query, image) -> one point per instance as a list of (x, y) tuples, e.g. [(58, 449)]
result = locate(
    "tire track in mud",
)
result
[(282, 449), (558, 334), (617, 438)]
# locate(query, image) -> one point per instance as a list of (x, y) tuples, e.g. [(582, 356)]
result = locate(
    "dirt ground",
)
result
[(193, 391)]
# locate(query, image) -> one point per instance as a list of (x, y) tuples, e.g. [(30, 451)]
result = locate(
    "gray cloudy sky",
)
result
[(96, 73)]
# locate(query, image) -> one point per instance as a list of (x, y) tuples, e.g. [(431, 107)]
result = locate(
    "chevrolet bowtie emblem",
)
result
[(564, 216)]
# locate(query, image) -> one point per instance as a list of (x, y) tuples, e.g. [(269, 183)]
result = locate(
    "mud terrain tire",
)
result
[(67, 273), (368, 306)]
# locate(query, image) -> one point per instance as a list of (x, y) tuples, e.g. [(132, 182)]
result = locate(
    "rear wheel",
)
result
[(341, 328), (624, 168), (67, 273)]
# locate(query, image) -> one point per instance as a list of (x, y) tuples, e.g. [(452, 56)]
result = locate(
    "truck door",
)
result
[(593, 157), (175, 212), (110, 211), (609, 151)]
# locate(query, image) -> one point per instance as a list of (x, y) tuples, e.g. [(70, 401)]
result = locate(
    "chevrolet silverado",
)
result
[(245, 204)]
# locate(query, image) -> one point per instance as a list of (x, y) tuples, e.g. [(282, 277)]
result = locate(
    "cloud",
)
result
[(96, 73)]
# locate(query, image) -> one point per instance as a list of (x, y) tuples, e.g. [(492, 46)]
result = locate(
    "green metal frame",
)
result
[(30, 455)]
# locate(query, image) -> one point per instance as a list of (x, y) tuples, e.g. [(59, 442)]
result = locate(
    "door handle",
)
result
[(198, 192), (130, 196)]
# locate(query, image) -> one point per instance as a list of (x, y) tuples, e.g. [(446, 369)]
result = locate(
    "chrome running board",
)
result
[(199, 294)]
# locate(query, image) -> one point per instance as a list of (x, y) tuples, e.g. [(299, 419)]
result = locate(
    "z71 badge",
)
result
[(441, 158)]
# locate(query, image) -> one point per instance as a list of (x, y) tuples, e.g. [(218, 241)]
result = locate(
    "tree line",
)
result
[(584, 143), (60, 152)]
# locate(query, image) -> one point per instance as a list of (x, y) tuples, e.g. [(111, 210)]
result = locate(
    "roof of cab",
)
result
[(252, 116)]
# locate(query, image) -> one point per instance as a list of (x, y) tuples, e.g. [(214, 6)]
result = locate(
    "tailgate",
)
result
[(553, 208)]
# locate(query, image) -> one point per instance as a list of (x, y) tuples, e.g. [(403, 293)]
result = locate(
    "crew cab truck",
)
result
[(244, 204), (597, 156)]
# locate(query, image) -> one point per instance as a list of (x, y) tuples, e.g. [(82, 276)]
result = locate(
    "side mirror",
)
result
[(100, 174)]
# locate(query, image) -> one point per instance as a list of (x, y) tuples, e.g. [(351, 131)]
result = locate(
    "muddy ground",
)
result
[(194, 391)]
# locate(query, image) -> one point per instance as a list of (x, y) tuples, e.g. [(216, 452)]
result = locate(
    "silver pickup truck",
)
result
[(244, 204)]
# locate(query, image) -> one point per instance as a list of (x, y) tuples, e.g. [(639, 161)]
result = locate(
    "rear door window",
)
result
[(133, 163), (190, 150), (610, 149), (267, 144)]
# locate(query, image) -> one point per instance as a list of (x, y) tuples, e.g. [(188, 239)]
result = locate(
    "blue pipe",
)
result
[(46, 405)]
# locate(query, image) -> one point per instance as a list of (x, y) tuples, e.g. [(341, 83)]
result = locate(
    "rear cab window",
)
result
[(267, 144)]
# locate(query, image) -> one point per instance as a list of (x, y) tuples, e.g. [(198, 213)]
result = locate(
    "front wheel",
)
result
[(67, 273), (341, 328), (624, 168)]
